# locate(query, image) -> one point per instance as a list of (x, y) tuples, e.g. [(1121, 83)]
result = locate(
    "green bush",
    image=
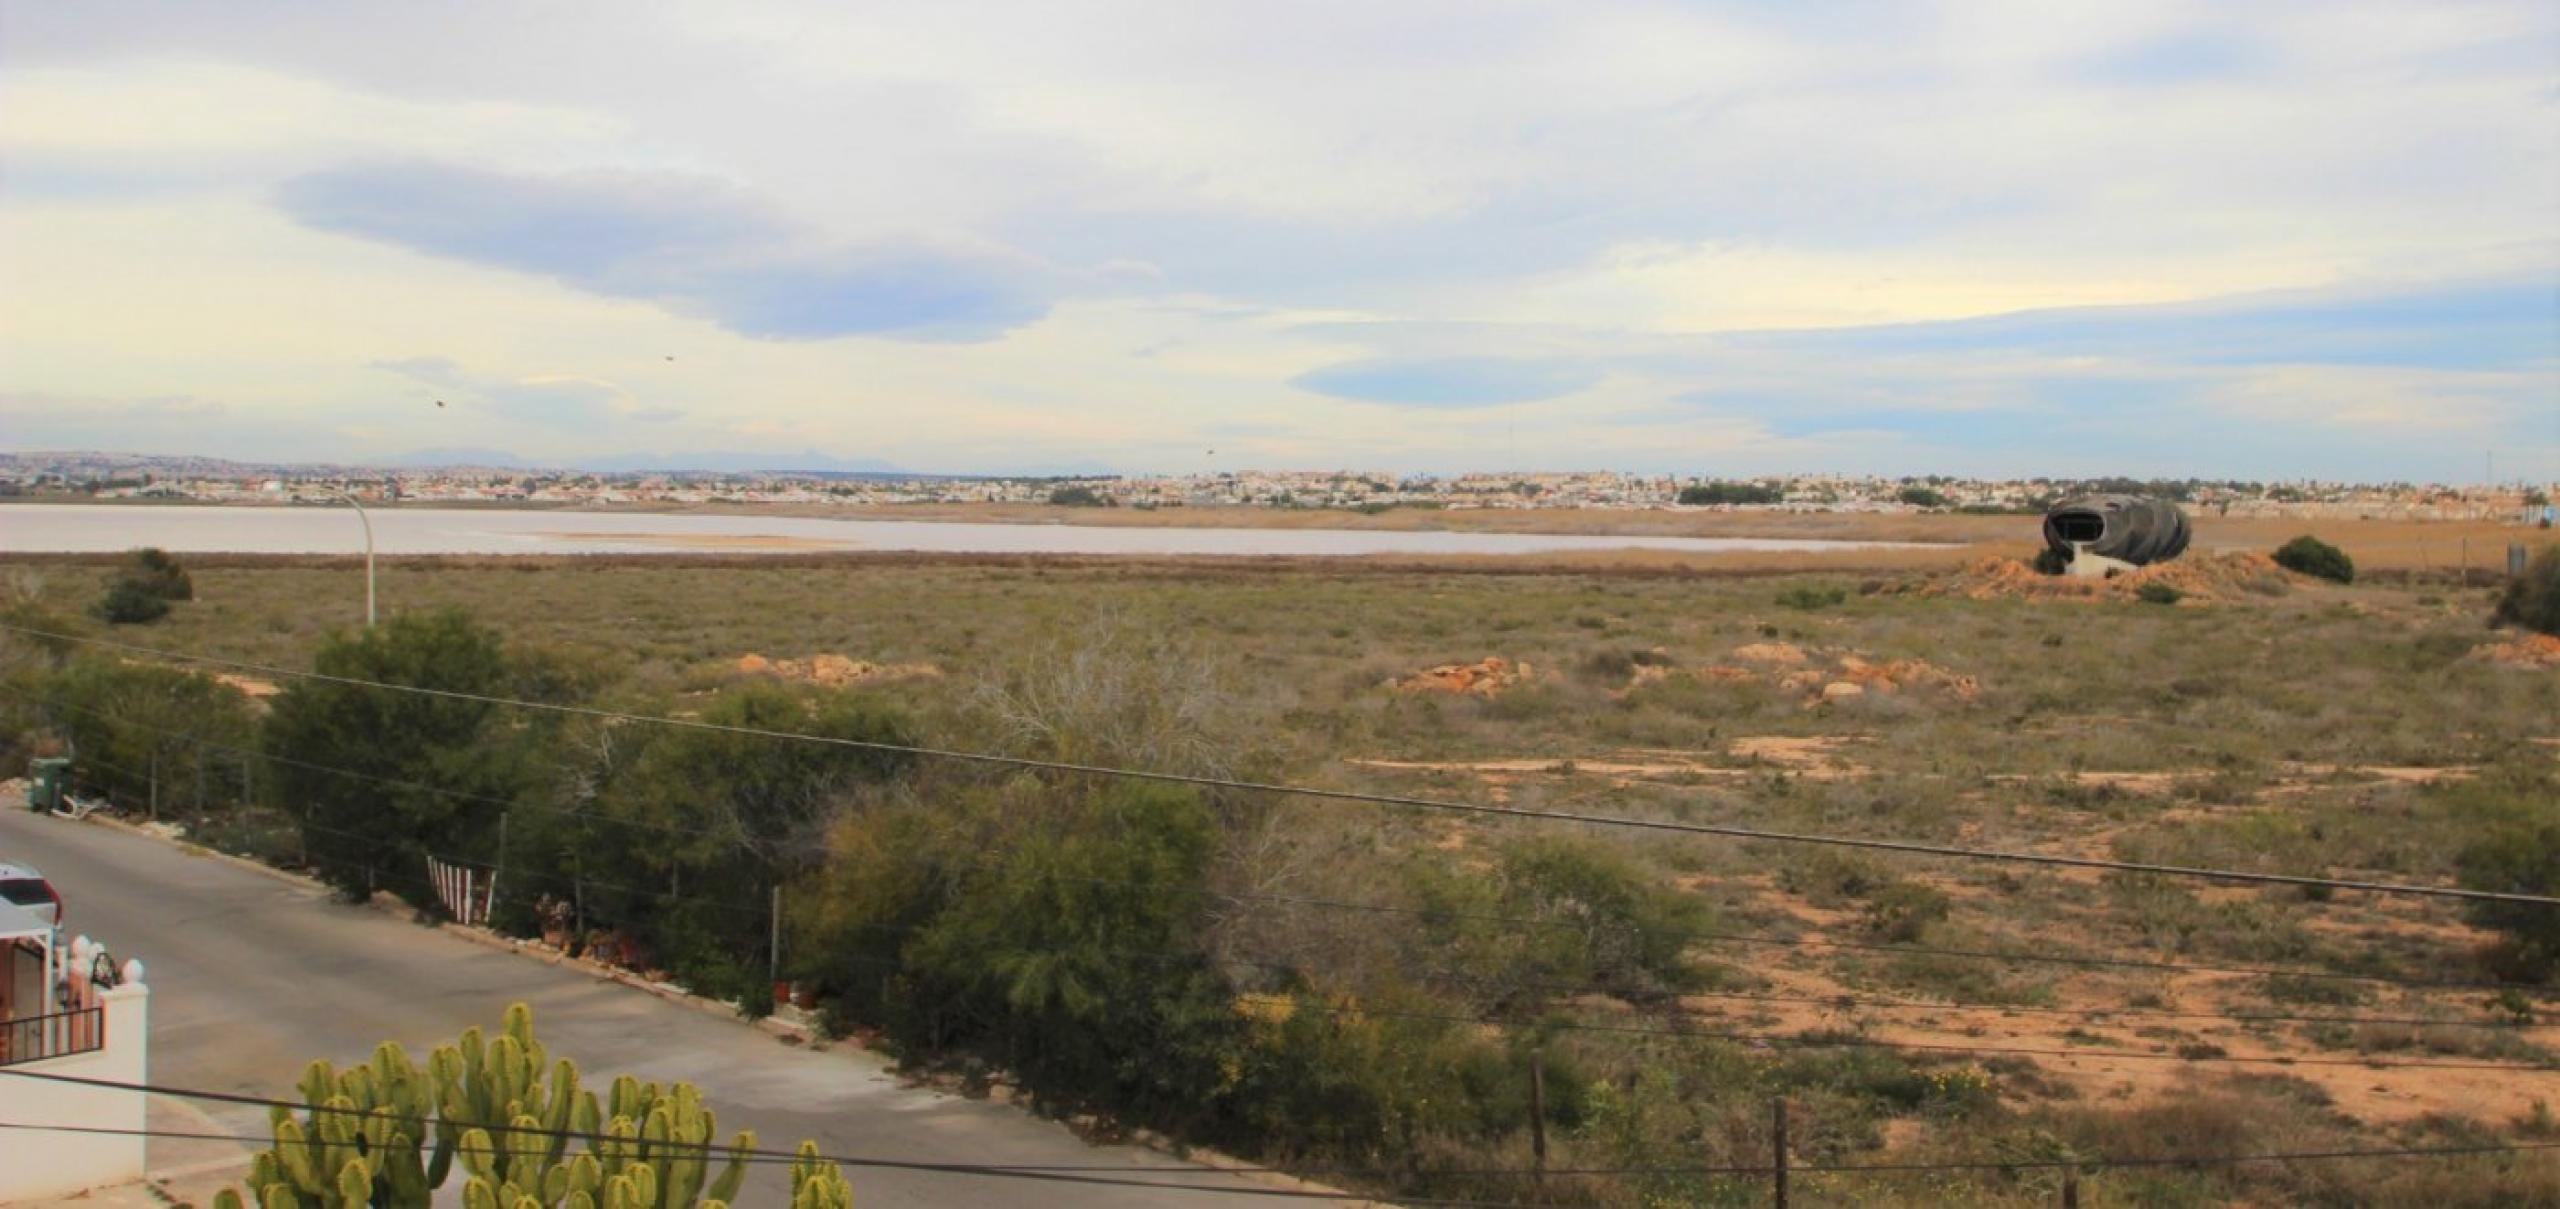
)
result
[(129, 604), (2308, 555), (2159, 594), (1812, 597), (2513, 847), (154, 571), (2532, 600), (144, 589), (1078, 496), (2049, 561)]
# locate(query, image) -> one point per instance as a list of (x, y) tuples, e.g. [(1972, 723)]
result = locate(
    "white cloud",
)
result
[(1210, 202)]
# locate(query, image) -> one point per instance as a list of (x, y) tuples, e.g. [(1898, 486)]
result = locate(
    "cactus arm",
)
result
[(735, 1172)]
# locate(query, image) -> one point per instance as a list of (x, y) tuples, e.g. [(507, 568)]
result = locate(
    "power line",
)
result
[(1774, 1040), (1711, 936), (1117, 1176), (1906, 847), (2088, 1163), (1832, 1042)]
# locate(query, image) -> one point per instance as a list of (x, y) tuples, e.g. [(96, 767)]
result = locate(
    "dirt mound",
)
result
[(1490, 677), (2524, 650), (2204, 579), (831, 671)]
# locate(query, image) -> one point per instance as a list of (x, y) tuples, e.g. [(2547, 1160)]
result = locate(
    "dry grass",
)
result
[(2291, 734)]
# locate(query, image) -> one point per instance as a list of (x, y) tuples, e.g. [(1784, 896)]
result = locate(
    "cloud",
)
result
[(1451, 381), (561, 401), (694, 244), (2185, 57), (2476, 326)]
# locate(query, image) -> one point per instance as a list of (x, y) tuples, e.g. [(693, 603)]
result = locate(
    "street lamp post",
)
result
[(349, 499)]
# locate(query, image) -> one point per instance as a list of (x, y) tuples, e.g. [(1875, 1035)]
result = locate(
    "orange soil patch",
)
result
[(1805, 756), (2202, 579), (1821, 677), (2525, 650), (1792, 751), (1490, 677), (2374, 1095), (250, 687), (831, 671)]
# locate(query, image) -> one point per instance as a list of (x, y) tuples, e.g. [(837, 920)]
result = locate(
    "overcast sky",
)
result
[(2269, 239)]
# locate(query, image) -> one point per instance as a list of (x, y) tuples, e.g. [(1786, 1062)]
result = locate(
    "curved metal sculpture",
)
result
[(2104, 534)]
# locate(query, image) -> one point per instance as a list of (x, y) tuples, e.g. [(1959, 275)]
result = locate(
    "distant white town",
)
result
[(110, 476)]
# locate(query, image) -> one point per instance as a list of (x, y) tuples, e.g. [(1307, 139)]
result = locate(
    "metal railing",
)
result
[(56, 1035)]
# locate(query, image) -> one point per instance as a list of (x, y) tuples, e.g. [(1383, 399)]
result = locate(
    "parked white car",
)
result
[(24, 887)]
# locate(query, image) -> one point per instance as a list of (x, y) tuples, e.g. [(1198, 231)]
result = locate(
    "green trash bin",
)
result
[(45, 775)]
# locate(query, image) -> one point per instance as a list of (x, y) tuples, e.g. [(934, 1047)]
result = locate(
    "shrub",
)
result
[(2514, 848), (2159, 594), (2308, 555), (1730, 493), (129, 604), (1922, 497), (2049, 561), (1811, 597), (156, 572), (1903, 911), (142, 592), (1077, 497), (2532, 600)]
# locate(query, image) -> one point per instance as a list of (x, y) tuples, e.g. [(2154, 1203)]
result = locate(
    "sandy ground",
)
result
[(2372, 1093)]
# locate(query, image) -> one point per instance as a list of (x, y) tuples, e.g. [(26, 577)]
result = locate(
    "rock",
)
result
[(1841, 690)]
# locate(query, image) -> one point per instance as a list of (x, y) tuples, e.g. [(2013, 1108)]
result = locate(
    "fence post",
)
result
[(1778, 1169), (154, 788), (1538, 1112), (773, 920), (2070, 1188)]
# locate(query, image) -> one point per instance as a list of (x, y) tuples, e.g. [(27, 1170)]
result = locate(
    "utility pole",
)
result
[(1538, 1112), (1778, 1169), (773, 951)]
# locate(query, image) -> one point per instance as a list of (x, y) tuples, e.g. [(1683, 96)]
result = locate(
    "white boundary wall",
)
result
[(39, 1164)]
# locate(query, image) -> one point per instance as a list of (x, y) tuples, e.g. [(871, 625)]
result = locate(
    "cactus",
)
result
[(817, 1184), (386, 1132)]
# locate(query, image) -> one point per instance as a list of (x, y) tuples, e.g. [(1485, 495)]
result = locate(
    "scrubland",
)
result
[(1361, 987)]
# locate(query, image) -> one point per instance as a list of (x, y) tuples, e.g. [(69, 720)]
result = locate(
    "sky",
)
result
[(2269, 240)]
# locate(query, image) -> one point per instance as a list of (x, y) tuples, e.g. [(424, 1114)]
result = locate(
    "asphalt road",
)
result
[(252, 977)]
